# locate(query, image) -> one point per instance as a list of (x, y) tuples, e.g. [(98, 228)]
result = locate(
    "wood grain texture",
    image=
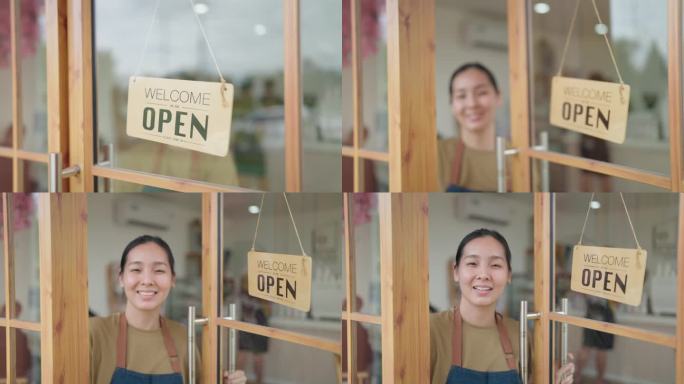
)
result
[(293, 96), (24, 155), (542, 281), (211, 254), (518, 53), (616, 329), (404, 276), (57, 77), (411, 95), (674, 79), (357, 90), (365, 154), (288, 336), (605, 168), (8, 252), (165, 182), (80, 77), (362, 318), (63, 223), (350, 285)]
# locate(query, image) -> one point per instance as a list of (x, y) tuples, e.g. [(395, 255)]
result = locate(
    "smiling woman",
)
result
[(147, 275), (472, 342)]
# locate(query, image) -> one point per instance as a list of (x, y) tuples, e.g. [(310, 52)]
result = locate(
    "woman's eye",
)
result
[(135, 270), (496, 266), (160, 271), (471, 264)]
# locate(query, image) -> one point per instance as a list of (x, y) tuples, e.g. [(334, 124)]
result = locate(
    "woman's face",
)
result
[(146, 277), (474, 100), (482, 273)]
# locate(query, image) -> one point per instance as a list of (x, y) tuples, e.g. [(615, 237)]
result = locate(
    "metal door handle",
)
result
[(56, 173), (232, 339), (524, 316), (502, 152), (564, 332), (192, 321)]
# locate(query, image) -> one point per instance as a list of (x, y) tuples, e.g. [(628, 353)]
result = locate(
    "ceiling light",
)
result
[(601, 29), (201, 8), (253, 209), (595, 205), (542, 8), (260, 29)]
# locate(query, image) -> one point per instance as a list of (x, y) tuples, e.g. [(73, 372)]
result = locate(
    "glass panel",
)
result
[(321, 39), (35, 176), (33, 77), (285, 362), (26, 256), (470, 32), (373, 27), (6, 102), (116, 219), (2, 258), (365, 223), (319, 221), (600, 357), (373, 175), (176, 50), (570, 179), (368, 353), (638, 33), (654, 216), (453, 216), (6, 174), (27, 356)]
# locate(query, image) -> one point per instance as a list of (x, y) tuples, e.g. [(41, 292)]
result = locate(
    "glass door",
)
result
[(610, 341)]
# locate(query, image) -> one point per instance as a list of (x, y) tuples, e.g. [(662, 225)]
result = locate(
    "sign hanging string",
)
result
[(256, 230), (605, 36), (204, 36), (628, 219)]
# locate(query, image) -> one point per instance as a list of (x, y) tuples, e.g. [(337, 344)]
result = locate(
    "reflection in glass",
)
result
[(638, 33), (626, 361), (654, 216), (26, 256), (319, 222), (116, 219), (177, 49), (373, 50), (27, 356), (364, 221), (33, 135), (321, 39), (368, 353)]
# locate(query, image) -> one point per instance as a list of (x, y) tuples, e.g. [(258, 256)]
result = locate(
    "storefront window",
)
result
[(654, 216), (26, 256), (321, 63), (247, 38), (319, 222), (637, 31)]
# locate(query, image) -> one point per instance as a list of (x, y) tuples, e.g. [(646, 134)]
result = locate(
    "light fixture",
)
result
[(601, 29), (260, 29), (542, 8), (253, 209), (595, 205), (201, 8)]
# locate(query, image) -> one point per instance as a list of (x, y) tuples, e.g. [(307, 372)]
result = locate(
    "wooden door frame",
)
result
[(63, 325), (404, 317), (544, 290), (81, 119), (412, 133), (519, 24)]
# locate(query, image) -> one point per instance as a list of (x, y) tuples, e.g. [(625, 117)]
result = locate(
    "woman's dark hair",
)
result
[(144, 239), (484, 232), (468, 66)]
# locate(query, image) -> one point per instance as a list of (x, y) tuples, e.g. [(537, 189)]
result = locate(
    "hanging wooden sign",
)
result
[(615, 274), (595, 108), (280, 278), (195, 115)]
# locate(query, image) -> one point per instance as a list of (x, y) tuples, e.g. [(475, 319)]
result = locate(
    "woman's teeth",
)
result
[(482, 288), (147, 293)]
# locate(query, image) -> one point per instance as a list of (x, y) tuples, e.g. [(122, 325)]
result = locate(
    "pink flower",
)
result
[(30, 11), (370, 28)]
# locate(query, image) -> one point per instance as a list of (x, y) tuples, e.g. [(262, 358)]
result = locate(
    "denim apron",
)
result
[(460, 375), (124, 376)]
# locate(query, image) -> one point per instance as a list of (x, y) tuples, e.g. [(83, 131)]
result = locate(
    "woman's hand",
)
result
[(566, 373), (237, 377)]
